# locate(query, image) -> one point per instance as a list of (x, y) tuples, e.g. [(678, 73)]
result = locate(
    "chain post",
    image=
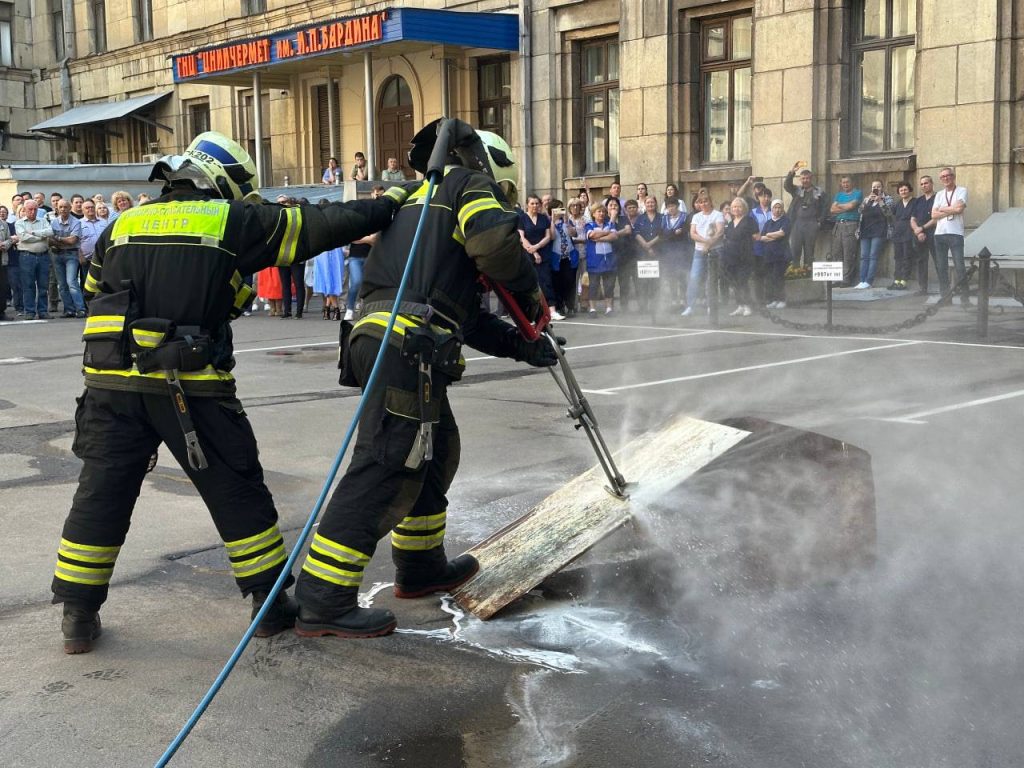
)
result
[(984, 265)]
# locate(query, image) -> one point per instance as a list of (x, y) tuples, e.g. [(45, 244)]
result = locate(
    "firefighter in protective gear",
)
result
[(407, 448), (164, 284)]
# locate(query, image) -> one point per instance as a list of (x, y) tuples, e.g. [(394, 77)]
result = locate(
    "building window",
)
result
[(725, 88), (5, 136), (98, 12), (142, 139), (6, 38), (197, 117), (252, 7), (600, 90), (142, 14), (494, 94), (883, 74), (57, 28)]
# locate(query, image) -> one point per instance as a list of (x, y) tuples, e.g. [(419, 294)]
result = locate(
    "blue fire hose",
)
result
[(435, 172)]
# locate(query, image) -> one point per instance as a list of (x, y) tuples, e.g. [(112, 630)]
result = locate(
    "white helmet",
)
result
[(213, 162), (503, 162)]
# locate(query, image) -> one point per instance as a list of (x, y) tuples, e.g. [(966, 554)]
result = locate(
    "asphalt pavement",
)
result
[(654, 649)]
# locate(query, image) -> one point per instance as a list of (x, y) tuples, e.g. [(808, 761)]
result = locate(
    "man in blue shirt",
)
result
[(844, 236)]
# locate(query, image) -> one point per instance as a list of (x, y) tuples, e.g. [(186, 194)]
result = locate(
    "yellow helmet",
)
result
[(215, 162)]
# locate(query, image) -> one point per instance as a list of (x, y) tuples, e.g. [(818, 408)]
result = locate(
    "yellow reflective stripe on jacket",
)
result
[(92, 285), (469, 210), (81, 575), (87, 553), (330, 574), (243, 292), (104, 324), (209, 373), (338, 551), (148, 339), (423, 523), (252, 544), (401, 322), (381, 318), (194, 218), (290, 241), (398, 194)]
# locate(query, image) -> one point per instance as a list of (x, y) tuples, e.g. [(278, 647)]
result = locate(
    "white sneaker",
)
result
[(747, 311), (349, 314), (780, 305), (737, 311), (862, 286), (770, 305), (686, 312), (556, 315)]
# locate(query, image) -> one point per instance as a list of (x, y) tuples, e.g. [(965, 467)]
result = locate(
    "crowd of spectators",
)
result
[(586, 251), (46, 249)]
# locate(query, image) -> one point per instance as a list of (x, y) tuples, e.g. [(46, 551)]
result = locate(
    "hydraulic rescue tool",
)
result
[(579, 408)]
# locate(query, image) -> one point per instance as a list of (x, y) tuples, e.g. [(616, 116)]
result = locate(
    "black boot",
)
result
[(81, 625), (346, 618), (413, 582), (279, 616)]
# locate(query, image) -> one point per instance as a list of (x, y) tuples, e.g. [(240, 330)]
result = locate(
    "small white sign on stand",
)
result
[(646, 269), (822, 271)]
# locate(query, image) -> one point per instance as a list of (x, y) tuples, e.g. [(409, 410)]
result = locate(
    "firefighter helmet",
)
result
[(214, 162), (502, 162)]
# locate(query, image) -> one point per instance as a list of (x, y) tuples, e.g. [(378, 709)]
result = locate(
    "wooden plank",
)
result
[(574, 518)]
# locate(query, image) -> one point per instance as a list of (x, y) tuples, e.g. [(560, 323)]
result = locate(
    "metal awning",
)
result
[(102, 112), (1000, 233)]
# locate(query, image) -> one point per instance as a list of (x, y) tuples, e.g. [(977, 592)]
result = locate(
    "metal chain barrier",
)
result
[(945, 301), (997, 277)]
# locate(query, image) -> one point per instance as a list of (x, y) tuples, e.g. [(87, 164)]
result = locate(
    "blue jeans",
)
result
[(944, 245), (14, 280), (698, 270), (66, 266), (355, 280), (35, 275), (869, 250)]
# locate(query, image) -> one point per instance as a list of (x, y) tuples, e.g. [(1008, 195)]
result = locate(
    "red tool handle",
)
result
[(530, 331)]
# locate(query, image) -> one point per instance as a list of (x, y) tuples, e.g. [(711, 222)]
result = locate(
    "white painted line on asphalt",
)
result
[(574, 347), (746, 368), (290, 346), (13, 360), (916, 418)]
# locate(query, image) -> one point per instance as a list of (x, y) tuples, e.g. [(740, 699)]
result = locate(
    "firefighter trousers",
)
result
[(115, 434), (384, 489)]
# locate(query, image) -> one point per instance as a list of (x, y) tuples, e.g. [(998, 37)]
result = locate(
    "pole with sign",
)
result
[(650, 270), (827, 272)]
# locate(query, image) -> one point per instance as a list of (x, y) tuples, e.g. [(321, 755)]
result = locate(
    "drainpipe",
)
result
[(526, 76), (331, 118), (67, 100)]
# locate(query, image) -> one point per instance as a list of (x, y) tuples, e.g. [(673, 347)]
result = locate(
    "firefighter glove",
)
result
[(537, 353)]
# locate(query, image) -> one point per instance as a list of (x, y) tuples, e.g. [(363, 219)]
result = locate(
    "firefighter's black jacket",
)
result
[(181, 258), (471, 229)]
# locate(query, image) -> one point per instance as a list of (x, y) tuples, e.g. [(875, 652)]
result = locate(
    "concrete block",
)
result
[(976, 72), (782, 42), (655, 111), (936, 85), (799, 5), (797, 89), (765, 8), (774, 147), (767, 94), (944, 23), (960, 134), (631, 112)]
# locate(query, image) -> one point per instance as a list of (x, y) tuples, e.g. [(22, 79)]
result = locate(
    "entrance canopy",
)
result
[(93, 114), (282, 54)]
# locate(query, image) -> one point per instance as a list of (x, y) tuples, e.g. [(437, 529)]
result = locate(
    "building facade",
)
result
[(688, 91)]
